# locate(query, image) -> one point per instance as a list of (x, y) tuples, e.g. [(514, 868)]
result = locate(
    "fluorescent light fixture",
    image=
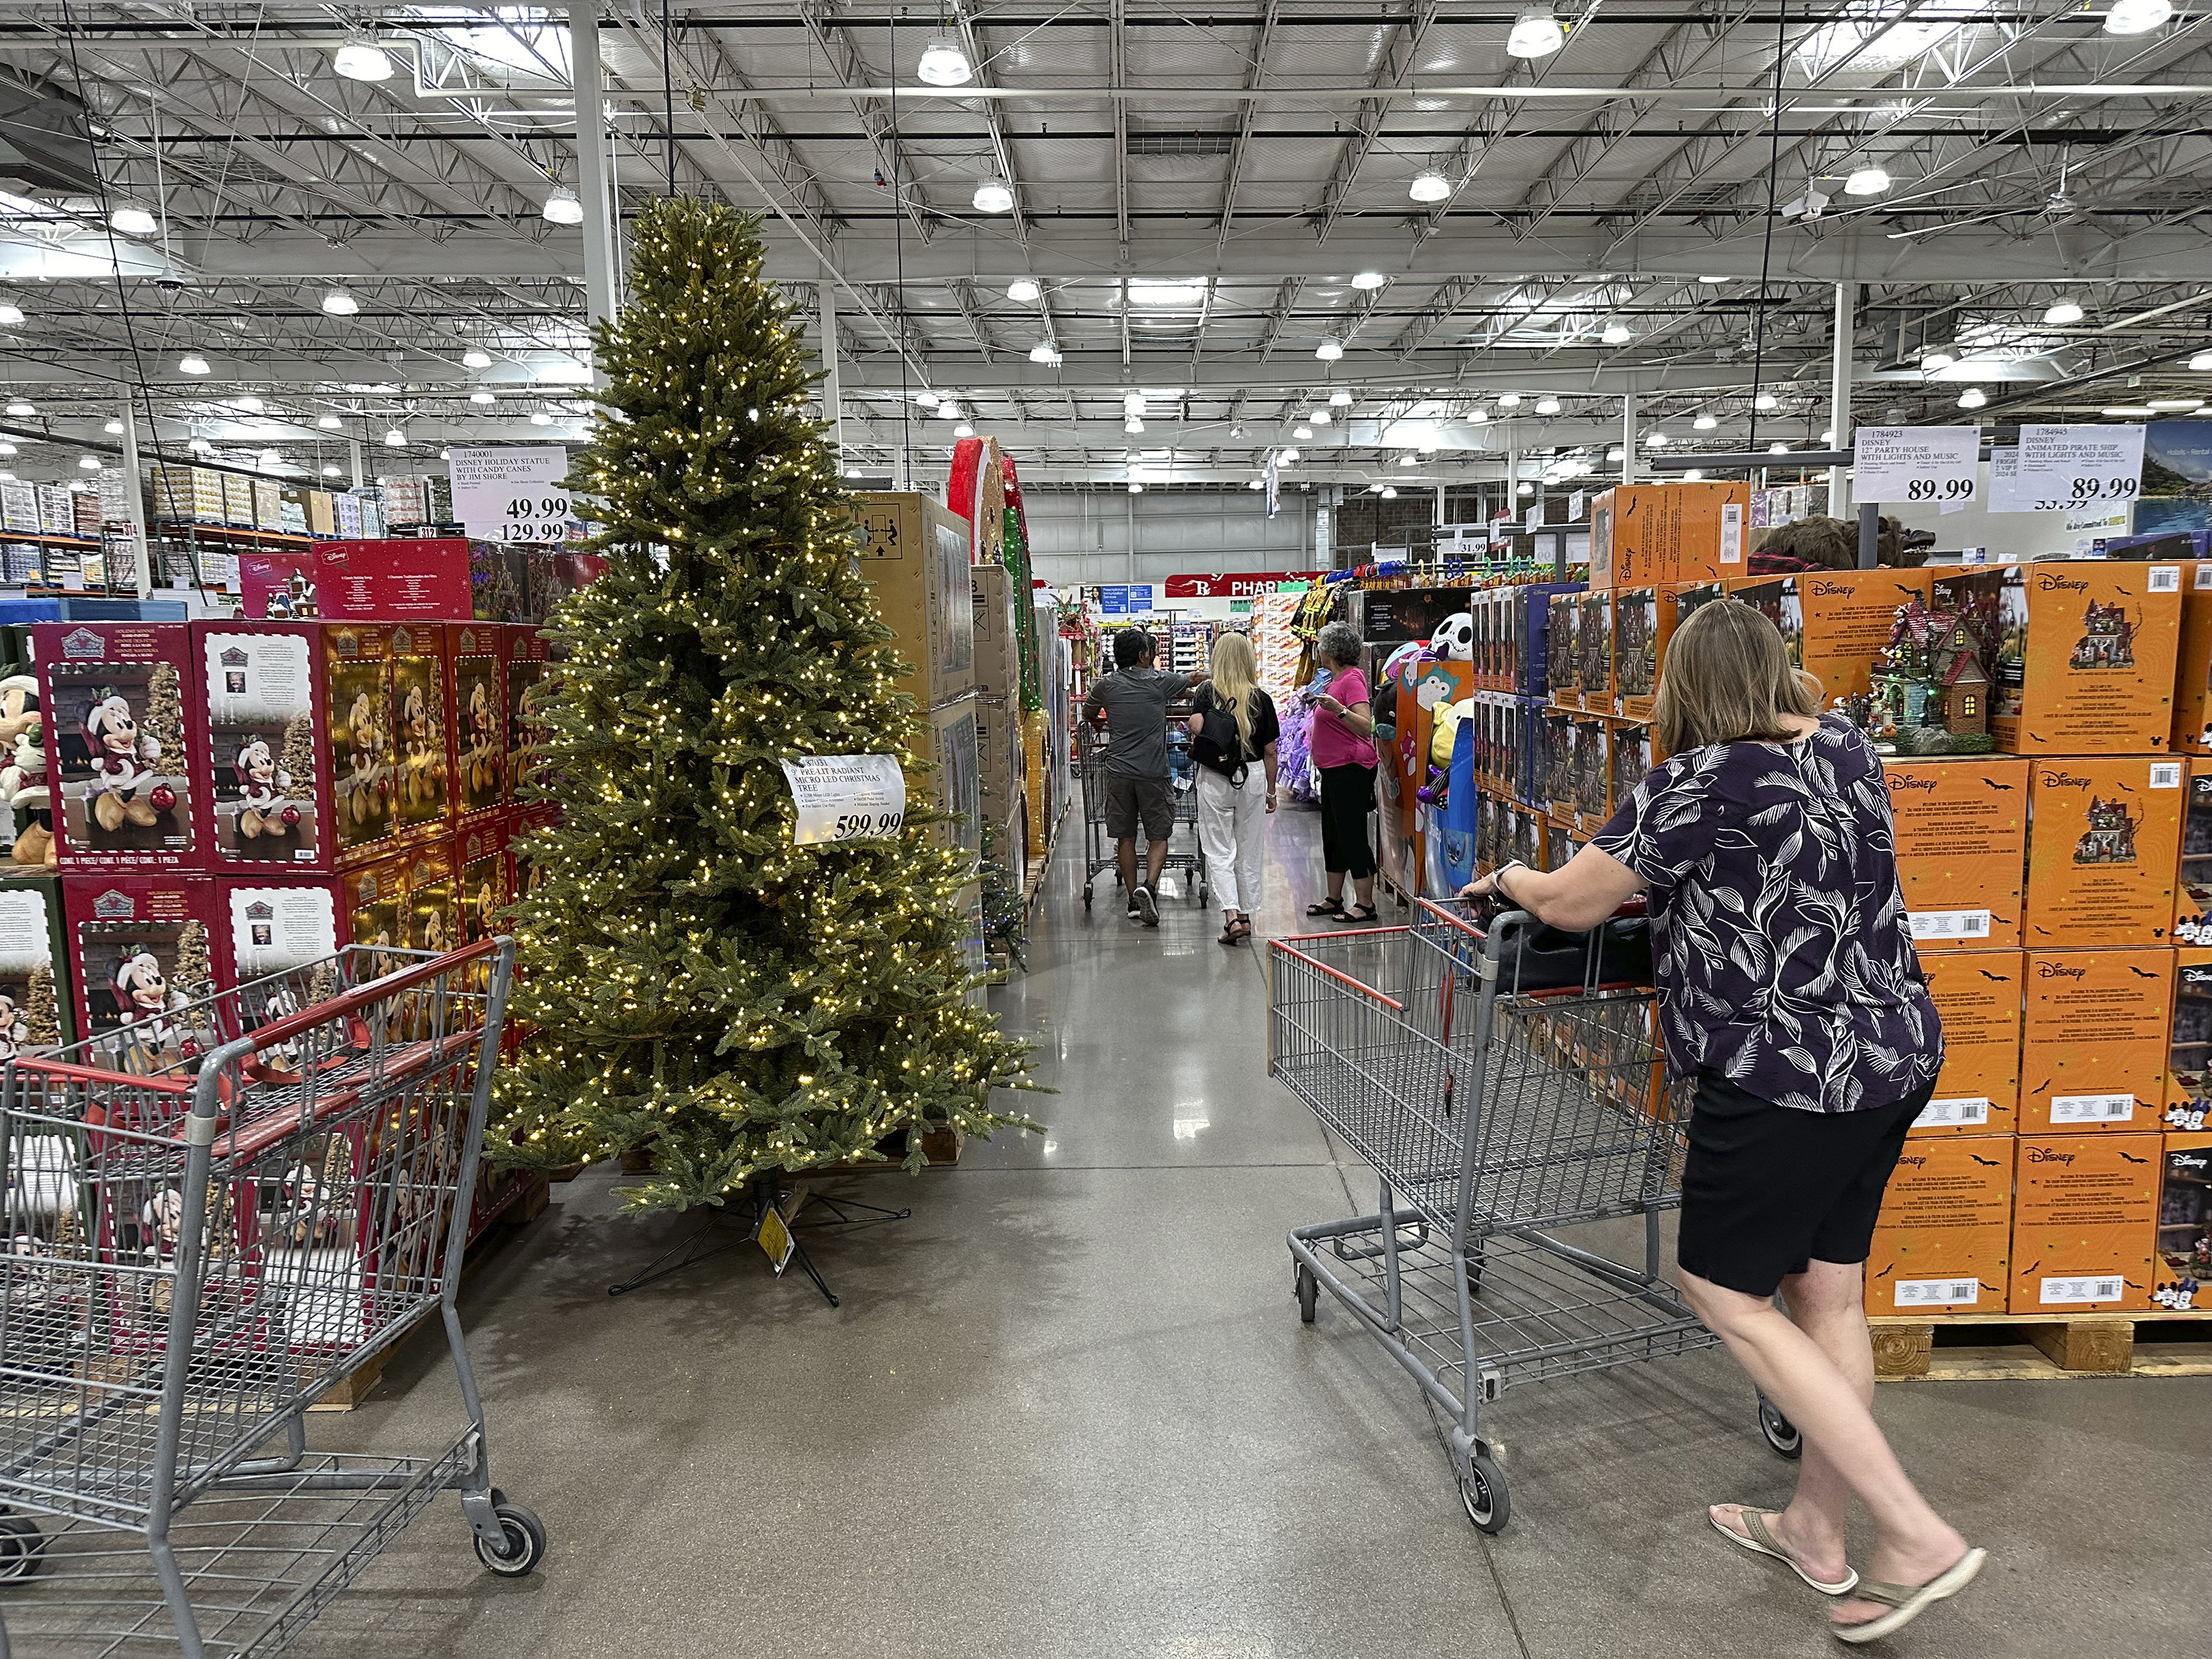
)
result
[(1867, 181), (11, 315), (1706, 422), (89, 463), (2166, 403), (1167, 291), (1935, 363), (18, 408), (1766, 400), (330, 469), (475, 398), (1535, 34), (963, 430), (563, 208), (2129, 409), (394, 438), (362, 60), (1430, 186), (942, 63), (1024, 290), (1617, 334), (1133, 426), (992, 195), (1509, 400), (1654, 441), (1527, 489), (2065, 311), (1329, 349), (476, 358), (1366, 281), (133, 220), (1547, 406), (1045, 352), (1304, 433), (1972, 397), (1343, 399), (2137, 17), (541, 417), (1714, 281), (339, 303)]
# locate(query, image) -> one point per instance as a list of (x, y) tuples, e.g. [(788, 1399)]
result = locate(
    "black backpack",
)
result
[(1219, 746)]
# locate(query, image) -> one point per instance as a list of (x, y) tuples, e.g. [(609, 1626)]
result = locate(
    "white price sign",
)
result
[(2065, 466), (1922, 464), (512, 493), (846, 797)]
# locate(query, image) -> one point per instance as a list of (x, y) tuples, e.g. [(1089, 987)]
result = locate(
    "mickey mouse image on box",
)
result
[(263, 759), (114, 702)]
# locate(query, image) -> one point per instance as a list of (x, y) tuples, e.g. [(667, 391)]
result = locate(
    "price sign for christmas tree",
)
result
[(1932, 464), (2062, 466), (846, 797), (512, 493)]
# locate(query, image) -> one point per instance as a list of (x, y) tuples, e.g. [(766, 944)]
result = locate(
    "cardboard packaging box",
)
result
[(2192, 876), (1629, 758), (1593, 775), (2184, 1264), (1835, 623), (415, 579), (359, 717), (997, 645), (1945, 1235), (2192, 682), (1001, 783), (480, 869), (1594, 647), (916, 554), (477, 720), (141, 948), (405, 900), (264, 759), (2103, 845), (2093, 1047), (521, 825), (1642, 622), (1555, 793), (956, 746), (2080, 654), (529, 666), (2189, 1042), (1961, 840), (122, 708), (38, 1001), (275, 922), (1530, 615), (2085, 1223), (1980, 996), (424, 782), (1563, 634), (1668, 533)]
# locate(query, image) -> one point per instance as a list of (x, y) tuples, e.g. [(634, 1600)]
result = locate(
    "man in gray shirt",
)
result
[(1134, 698)]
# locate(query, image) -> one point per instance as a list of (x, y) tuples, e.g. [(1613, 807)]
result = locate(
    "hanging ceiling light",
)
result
[(1935, 363), (1304, 433), (1319, 417), (330, 469), (1389, 492), (1972, 397), (1367, 281), (1329, 349), (1867, 181), (927, 399), (1655, 439), (1478, 416), (1024, 290), (963, 430), (1340, 400), (1827, 437), (1706, 422), (476, 358), (11, 315), (1777, 449), (133, 220), (2201, 361), (1616, 453), (271, 461), (481, 397), (329, 422), (1691, 476), (339, 303), (563, 208), (1287, 458), (992, 195), (1257, 484), (942, 63), (394, 438), (114, 429), (1547, 406), (1133, 425), (947, 409), (1509, 400), (1526, 489), (1045, 352), (1409, 459), (89, 463), (1617, 334), (248, 401), (362, 60), (2065, 311), (541, 417), (2137, 17), (1429, 185), (201, 447), (1766, 400), (1535, 34), (1136, 490)]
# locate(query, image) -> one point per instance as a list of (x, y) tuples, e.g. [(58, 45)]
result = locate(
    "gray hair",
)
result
[(1339, 643)]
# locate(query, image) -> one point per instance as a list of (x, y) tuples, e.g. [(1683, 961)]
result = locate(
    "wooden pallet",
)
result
[(1989, 1347)]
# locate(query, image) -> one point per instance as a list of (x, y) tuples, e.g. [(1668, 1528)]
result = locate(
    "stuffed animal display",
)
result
[(1454, 639), (23, 788)]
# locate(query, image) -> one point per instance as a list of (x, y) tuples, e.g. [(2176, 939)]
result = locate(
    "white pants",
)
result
[(1232, 826)]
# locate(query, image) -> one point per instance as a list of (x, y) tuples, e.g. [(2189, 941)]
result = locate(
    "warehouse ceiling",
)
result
[(1205, 224)]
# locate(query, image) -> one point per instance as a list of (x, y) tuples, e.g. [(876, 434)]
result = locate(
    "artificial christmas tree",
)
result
[(707, 993), (42, 1013)]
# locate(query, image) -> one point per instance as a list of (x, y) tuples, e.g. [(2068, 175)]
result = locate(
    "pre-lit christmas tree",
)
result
[(297, 763), (706, 992)]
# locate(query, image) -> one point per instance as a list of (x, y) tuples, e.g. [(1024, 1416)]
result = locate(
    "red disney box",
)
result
[(121, 706), (478, 720), (141, 950), (265, 762)]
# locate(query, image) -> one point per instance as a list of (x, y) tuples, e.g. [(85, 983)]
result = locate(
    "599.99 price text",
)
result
[(855, 825)]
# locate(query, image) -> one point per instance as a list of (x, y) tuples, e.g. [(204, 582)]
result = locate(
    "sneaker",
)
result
[(1148, 911), (1133, 912)]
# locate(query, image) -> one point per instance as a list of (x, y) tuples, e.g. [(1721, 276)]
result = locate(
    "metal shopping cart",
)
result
[(216, 1213), (1093, 744), (1499, 1107)]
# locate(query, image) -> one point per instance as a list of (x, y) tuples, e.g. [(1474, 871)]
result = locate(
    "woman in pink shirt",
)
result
[(1344, 752)]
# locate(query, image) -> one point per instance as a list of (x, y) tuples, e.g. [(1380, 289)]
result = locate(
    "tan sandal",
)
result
[(1762, 1541), (1907, 1602)]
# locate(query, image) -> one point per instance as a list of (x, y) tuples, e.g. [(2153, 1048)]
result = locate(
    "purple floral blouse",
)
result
[(1779, 937)]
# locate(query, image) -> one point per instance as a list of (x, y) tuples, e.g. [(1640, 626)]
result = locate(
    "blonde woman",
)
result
[(1793, 1006), (1233, 730)]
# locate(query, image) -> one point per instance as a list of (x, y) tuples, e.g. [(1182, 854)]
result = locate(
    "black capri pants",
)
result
[(1348, 795)]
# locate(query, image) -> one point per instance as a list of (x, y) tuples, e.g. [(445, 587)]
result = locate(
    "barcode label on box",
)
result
[(2204, 574), (1938, 1292), (2092, 1108), (2107, 1287), (2166, 774), (1732, 532), (1952, 1112), (2166, 579), (1950, 924)]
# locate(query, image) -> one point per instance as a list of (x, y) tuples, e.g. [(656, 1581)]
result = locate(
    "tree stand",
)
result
[(774, 1232)]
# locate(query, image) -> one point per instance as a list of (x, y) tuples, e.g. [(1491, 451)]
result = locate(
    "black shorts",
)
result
[(1131, 800), (1768, 1189)]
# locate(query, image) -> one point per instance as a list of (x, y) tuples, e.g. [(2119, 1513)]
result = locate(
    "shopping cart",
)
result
[(216, 1213), (1497, 1113), (1093, 744)]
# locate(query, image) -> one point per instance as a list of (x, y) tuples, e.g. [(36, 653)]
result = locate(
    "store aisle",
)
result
[(1067, 1408)]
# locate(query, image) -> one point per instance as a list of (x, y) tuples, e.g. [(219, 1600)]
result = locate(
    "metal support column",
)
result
[(1628, 437), (593, 186), (833, 402), (1839, 400), (134, 496)]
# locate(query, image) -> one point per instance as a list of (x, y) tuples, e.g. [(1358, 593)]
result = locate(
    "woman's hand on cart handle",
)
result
[(1591, 886)]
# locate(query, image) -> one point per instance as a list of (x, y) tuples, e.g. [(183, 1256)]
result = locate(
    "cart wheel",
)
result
[(1086, 896), (1309, 1293), (22, 1548), (525, 1542), (1482, 1492), (1781, 1433)]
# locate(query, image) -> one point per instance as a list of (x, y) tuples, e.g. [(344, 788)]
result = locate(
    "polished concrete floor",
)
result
[(1068, 1409)]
